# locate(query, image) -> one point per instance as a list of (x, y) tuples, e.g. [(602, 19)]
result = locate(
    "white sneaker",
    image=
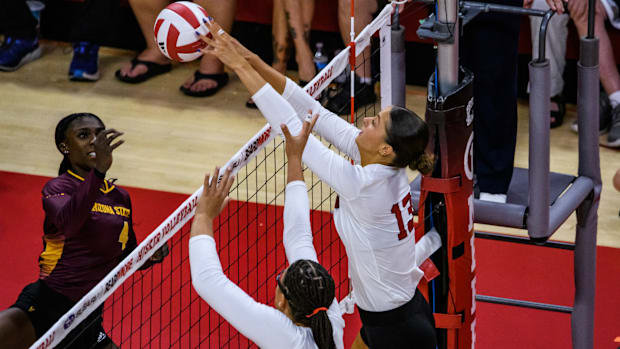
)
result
[(501, 198)]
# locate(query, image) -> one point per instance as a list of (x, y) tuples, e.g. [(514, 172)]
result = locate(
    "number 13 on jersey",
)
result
[(404, 204)]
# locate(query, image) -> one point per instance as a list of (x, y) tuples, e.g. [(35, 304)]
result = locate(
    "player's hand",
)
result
[(242, 50), (215, 195), (104, 147), (399, 6), (160, 254), (221, 45), (528, 3), (556, 5), (295, 144)]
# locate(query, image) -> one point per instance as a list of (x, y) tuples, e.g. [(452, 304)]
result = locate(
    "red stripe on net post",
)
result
[(352, 65), (186, 13), (352, 61)]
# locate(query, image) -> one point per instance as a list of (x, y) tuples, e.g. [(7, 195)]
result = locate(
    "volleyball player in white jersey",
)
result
[(374, 213), (307, 316)]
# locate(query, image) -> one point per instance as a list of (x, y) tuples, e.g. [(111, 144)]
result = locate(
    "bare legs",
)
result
[(224, 13), (280, 38), (299, 14), (608, 71), (146, 12), (363, 15)]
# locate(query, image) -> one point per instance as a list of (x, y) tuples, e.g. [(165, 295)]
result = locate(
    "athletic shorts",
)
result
[(45, 306), (411, 325)]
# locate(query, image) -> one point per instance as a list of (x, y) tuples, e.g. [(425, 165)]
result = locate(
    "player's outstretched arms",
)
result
[(221, 46)]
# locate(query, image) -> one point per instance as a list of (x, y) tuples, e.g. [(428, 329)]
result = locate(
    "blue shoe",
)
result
[(16, 52), (85, 63)]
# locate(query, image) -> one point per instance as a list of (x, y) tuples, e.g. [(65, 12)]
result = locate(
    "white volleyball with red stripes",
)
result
[(175, 30)]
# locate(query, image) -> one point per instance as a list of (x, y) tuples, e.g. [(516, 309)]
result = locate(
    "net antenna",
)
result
[(158, 307)]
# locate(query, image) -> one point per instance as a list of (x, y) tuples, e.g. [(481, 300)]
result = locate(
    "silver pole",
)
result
[(448, 53)]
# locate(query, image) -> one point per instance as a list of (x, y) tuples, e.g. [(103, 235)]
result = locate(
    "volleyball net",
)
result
[(157, 307)]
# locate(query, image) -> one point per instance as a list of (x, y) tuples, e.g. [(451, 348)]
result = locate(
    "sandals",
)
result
[(557, 116), (153, 69), (221, 79), (250, 103)]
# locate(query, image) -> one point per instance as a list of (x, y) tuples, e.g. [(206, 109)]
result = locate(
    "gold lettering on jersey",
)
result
[(122, 211), (117, 210), (103, 208)]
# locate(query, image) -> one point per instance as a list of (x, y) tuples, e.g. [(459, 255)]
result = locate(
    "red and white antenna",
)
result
[(352, 60)]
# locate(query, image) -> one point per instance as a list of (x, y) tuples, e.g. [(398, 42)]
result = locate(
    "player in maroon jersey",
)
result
[(87, 231)]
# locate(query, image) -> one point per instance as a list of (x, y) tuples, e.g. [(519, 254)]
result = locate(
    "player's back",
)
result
[(377, 230)]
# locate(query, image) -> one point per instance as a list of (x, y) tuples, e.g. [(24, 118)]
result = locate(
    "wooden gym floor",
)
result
[(172, 139)]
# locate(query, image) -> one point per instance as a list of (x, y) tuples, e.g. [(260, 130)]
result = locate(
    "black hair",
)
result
[(61, 134), (310, 287), (408, 135)]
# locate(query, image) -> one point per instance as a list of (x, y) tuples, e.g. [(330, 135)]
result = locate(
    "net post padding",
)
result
[(450, 121), (185, 212)]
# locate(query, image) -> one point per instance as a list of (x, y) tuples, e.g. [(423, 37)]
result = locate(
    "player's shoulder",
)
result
[(379, 173), (122, 191), (62, 184)]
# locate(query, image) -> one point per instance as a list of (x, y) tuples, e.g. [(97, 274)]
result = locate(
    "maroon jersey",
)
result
[(87, 231)]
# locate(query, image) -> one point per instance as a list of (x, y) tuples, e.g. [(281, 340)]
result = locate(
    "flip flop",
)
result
[(221, 79), (152, 70)]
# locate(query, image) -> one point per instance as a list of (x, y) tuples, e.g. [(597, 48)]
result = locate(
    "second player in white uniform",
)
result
[(374, 217), (307, 316)]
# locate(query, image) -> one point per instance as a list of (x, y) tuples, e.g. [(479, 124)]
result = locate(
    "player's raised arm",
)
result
[(330, 126), (332, 168), (304, 291), (297, 236), (329, 166)]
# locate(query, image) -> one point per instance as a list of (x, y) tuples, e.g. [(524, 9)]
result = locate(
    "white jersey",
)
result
[(264, 325), (374, 218)]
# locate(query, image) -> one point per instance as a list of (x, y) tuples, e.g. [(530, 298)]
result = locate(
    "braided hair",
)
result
[(60, 135), (408, 135), (311, 291)]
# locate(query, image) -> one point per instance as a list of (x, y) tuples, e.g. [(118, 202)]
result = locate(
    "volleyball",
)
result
[(175, 31)]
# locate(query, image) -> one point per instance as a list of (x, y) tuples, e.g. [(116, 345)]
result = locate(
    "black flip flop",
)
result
[(221, 79), (152, 70)]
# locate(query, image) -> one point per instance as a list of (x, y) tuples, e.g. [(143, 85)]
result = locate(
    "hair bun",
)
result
[(425, 163)]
